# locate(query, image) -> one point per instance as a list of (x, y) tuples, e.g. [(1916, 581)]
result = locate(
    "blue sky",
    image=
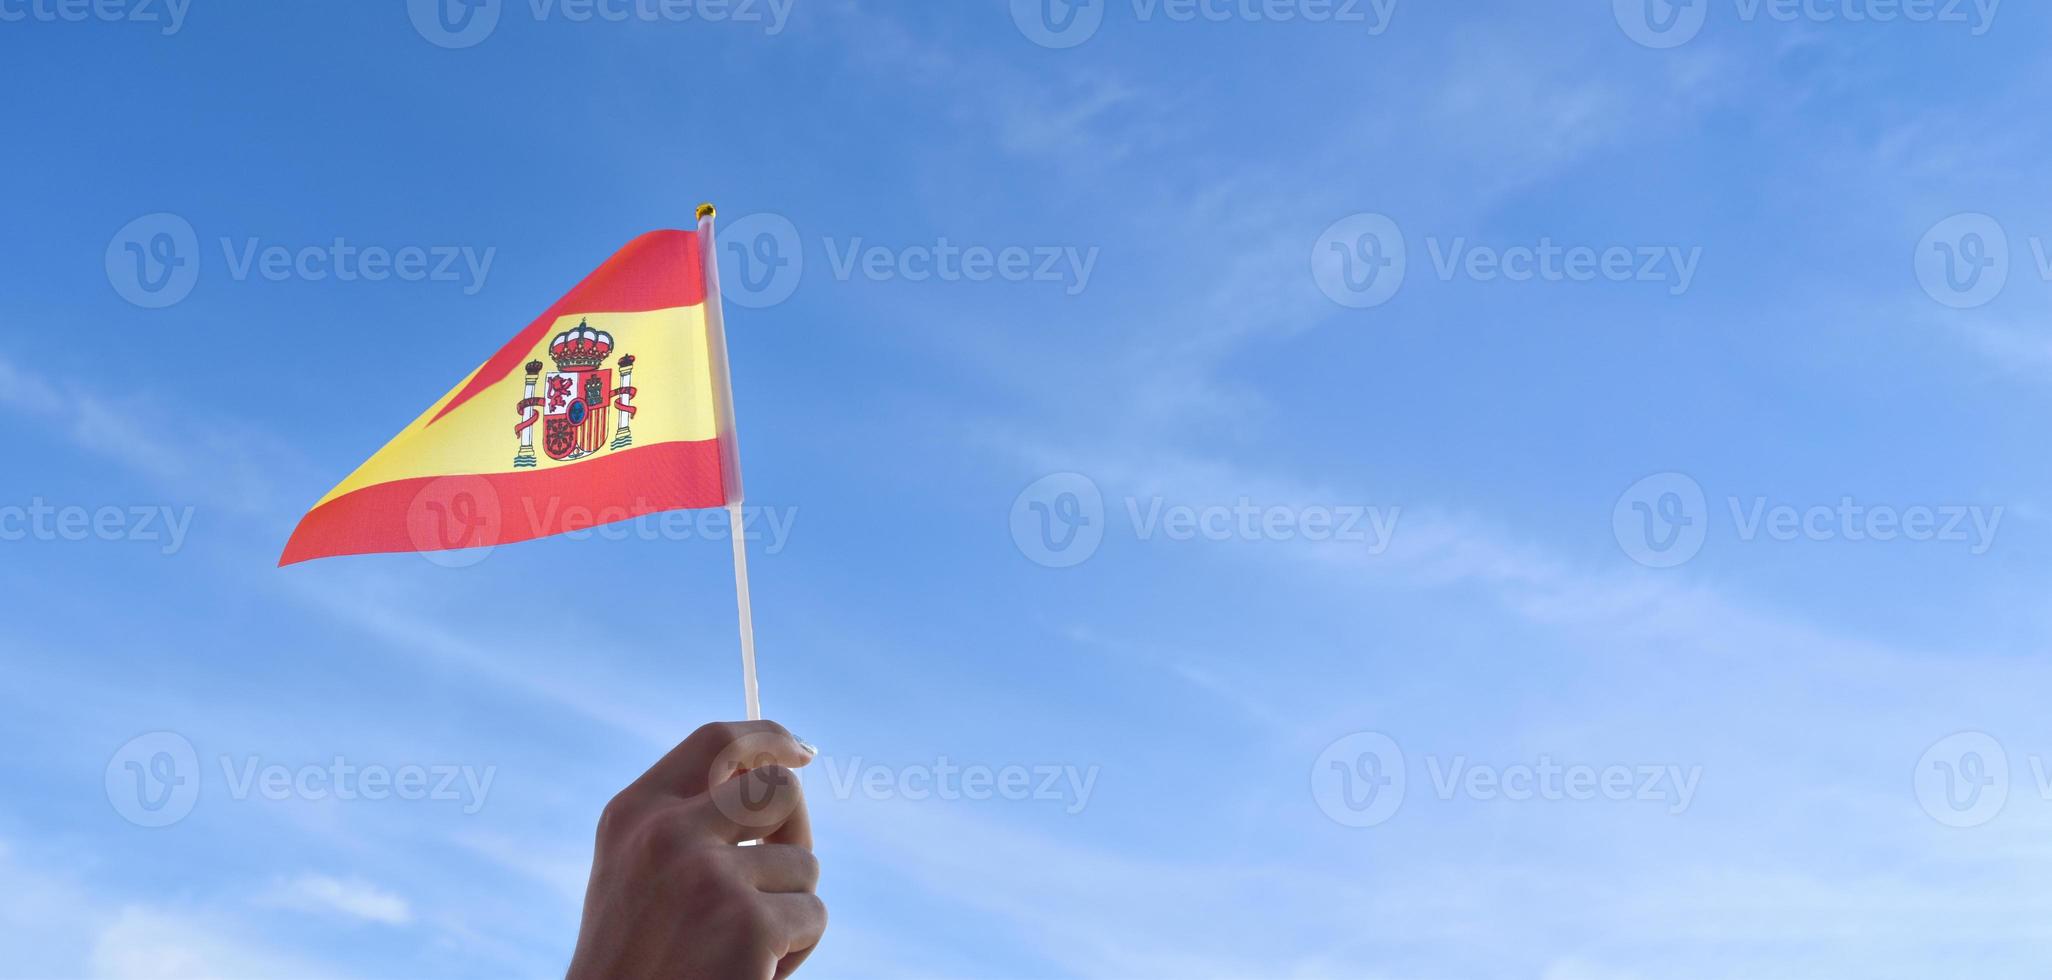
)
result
[(1666, 606)]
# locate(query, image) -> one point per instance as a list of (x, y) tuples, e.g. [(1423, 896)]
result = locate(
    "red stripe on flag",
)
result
[(658, 271), (449, 512)]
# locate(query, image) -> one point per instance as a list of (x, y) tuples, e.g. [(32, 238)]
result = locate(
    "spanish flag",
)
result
[(611, 405)]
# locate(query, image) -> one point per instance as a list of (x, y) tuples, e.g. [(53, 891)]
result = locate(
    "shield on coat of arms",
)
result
[(575, 423)]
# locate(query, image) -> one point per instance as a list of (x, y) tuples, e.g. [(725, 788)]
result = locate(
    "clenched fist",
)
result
[(673, 893)]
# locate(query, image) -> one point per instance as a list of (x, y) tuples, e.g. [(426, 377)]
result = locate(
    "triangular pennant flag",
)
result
[(607, 407)]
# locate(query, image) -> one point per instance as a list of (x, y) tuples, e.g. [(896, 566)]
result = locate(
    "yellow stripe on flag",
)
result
[(672, 399)]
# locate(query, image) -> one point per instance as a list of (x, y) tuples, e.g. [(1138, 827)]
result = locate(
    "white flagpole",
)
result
[(730, 449)]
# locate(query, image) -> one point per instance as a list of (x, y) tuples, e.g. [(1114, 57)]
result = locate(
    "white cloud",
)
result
[(54, 924), (563, 868), (1103, 914), (1574, 968), (1079, 119), (2022, 348), (144, 943), (45, 919), (224, 463), (354, 898)]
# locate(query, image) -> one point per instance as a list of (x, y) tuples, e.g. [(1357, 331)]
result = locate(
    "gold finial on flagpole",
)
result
[(706, 210)]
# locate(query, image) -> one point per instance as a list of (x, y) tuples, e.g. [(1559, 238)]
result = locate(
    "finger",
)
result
[(715, 752), (757, 805), (796, 830), (780, 867), (790, 964), (797, 919)]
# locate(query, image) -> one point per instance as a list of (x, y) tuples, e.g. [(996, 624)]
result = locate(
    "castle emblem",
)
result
[(573, 405)]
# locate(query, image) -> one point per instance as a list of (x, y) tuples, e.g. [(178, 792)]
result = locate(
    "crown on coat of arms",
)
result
[(582, 348)]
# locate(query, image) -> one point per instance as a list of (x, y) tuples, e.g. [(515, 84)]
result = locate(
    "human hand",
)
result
[(672, 892)]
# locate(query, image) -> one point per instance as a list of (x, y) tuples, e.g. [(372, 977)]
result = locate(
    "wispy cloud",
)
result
[(351, 898), (225, 464), (53, 923), (1098, 913), (145, 943), (1080, 119)]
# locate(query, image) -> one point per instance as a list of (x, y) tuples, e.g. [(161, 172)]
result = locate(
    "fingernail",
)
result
[(810, 749)]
